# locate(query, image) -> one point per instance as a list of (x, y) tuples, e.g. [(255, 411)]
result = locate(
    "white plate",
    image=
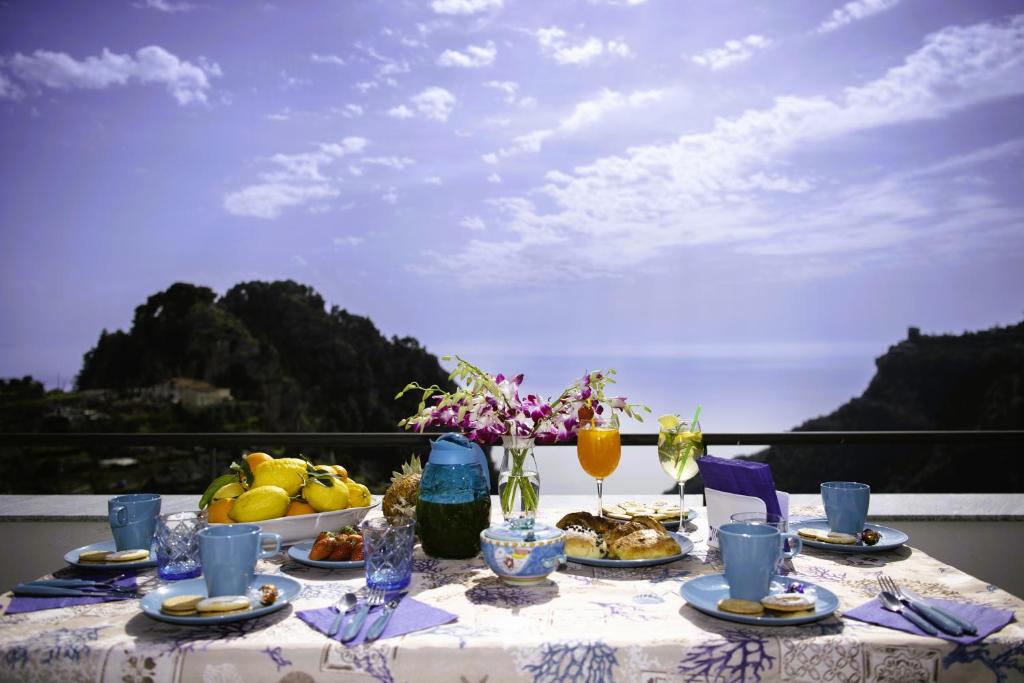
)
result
[(685, 546), (287, 590), (71, 557), (306, 527), (300, 553)]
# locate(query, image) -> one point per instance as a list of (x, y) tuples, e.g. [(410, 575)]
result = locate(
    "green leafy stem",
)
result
[(517, 481)]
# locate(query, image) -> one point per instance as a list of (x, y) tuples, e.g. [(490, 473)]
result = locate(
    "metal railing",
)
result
[(408, 439)]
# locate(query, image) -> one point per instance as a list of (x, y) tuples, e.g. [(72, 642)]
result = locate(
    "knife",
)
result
[(965, 625), (352, 627), (377, 627), (27, 589)]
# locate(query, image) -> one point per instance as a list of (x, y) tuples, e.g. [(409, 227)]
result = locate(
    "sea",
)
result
[(736, 394)]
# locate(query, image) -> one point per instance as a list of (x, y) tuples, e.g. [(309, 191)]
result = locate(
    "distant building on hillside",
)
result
[(192, 394)]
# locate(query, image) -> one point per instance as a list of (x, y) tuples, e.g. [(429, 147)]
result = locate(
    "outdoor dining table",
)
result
[(584, 625)]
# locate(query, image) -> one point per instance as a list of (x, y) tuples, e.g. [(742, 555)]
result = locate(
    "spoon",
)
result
[(349, 600), (891, 603)]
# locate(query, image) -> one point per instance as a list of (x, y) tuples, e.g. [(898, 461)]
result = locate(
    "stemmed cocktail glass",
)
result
[(680, 443), (599, 447)]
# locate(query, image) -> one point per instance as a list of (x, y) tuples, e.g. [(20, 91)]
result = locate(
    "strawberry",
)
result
[(358, 553), (323, 547), (342, 550)]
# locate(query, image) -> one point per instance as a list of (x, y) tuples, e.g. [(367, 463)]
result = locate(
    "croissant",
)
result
[(643, 544)]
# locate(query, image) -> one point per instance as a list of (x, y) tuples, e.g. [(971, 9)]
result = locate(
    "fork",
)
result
[(893, 604), (377, 627), (951, 626), (374, 598)]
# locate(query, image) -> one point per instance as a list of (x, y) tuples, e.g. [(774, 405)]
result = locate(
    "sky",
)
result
[(514, 178)]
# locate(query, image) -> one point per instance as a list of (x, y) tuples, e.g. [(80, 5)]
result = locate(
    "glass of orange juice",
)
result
[(599, 448)]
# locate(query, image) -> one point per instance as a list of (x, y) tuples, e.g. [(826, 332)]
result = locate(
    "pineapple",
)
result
[(401, 496)]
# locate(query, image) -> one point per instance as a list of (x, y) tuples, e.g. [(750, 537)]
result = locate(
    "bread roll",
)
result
[(585, 543), (644, 544)]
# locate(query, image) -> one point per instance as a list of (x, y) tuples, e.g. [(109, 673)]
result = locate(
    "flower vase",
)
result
[(519, 482)]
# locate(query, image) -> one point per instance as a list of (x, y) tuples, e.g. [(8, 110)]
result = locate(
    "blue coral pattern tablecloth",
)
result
[(586, 625)]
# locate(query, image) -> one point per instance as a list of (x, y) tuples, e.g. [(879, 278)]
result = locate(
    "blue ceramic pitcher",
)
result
[(454, 505)]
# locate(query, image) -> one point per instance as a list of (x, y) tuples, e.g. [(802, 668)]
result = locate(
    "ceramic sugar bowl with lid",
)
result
[(521, 557)]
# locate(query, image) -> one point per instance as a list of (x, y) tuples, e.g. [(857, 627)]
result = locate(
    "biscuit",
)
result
[(128, 556), (788, 602), (94, 556), (789, 615), (222, 604), (841, 539), (811, 534), (737, 606), (628, 509), (181, 605)]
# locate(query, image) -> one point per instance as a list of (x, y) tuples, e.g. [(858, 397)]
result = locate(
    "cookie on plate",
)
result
[(128, 556), (94, 556), (788, 602), (838, 538), (737, 606), (181, 605), (222, 604)]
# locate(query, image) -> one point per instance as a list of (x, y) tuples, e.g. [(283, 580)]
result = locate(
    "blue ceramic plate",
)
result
[(300, 553), (287, 590), (71, 557), (685, 546), (890, 538), (704, 592)]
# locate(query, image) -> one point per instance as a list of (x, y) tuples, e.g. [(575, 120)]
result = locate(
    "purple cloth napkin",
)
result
[(988, 620), (741, 477), (410, 615), (22, 603)]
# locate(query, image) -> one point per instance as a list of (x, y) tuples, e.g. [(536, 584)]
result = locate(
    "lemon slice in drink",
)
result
[(669, 421)]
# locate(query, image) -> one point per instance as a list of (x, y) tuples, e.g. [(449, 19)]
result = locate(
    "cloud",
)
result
[(433, 180), (166, 6), (720, 187), (295, 180), (473, 223), (732, 53), (558, 45), (434, 103), (854, 11), (188, 83), (474, 57), (494, 178), (584, 114), (464, 6), (396, 163), (401, 112), (351, 111), (390, 196), (327, 59), (268, 200), (627, 3), (348, 241), (509, 88), (8, 90)]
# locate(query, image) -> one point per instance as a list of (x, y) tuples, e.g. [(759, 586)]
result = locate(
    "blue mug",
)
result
[(228, 554), (750, 553), (133, 518), (846, 505)]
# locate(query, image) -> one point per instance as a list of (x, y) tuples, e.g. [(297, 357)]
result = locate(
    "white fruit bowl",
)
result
[(306, 527)]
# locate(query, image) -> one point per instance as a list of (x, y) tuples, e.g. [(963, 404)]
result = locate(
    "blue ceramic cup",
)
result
[(133, 518), (228, 554), (846, 505), (751, 553)]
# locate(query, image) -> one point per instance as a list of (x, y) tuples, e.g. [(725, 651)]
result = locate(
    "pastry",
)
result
[(94, 556), (128, 556), (583, 542), (788, 602), (643, 544), (181, 605), (587, 521), (222, 605), (737, 606)]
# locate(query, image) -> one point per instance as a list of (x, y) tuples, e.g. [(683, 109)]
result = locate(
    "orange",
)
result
[(299, 507), (218, 511), (342, 472), (257, 459)]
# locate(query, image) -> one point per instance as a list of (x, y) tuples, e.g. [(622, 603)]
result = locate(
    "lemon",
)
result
[(287, 473), (358, 495), (260, 503), (669, 421), (232, 490), (325, 498)]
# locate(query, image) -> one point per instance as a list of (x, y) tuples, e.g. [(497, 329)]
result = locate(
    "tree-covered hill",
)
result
[(969, 381)]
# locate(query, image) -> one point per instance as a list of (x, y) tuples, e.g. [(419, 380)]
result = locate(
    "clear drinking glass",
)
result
[(772, 520), (177, 545), (599, 448), (679, 446), (388, 550)]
